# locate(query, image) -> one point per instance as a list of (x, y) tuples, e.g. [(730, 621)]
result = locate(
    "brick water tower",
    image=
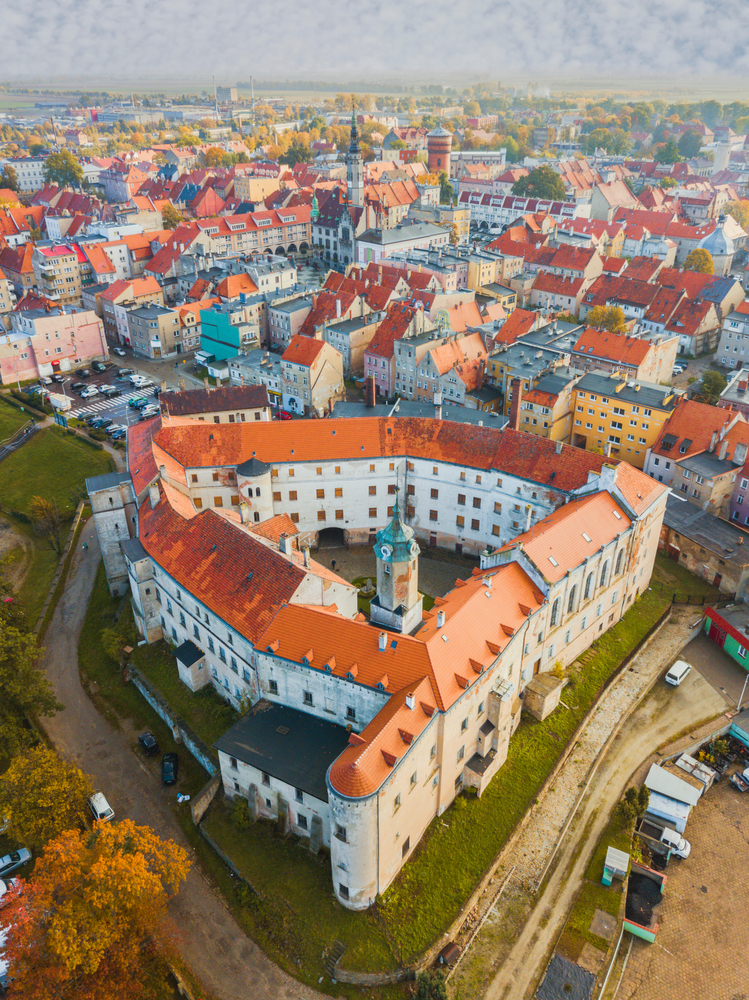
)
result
[(439, 145)]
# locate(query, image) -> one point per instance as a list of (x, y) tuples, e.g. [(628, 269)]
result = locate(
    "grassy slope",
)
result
[(49, 465), (673, 578), (10, 421), (460, 845)]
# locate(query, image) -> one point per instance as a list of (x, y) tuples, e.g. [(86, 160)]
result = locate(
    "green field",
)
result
[(49, 465), (10, 421)]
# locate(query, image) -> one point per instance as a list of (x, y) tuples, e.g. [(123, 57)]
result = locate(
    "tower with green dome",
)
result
[(398, 603)]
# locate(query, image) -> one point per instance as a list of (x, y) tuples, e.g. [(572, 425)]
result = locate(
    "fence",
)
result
[(700, 600)]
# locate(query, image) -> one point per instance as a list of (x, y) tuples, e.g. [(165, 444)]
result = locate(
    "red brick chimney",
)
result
[(515, 404)]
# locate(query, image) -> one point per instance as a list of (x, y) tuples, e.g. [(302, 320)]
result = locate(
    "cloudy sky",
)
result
[(338, 39)]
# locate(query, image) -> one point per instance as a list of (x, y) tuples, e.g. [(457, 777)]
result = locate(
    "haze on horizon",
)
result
[(696, 40)]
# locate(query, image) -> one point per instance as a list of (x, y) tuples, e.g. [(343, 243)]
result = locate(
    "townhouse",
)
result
[(57, 273), (48, 341), (638, 358), (312, 376)]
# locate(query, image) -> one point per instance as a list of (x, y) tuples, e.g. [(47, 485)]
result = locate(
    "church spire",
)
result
[(354, 146)]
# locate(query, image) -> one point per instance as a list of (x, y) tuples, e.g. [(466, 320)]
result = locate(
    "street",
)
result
[(218, 951)]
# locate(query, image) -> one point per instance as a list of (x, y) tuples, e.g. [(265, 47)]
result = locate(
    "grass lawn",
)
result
[(298, 916), (676, 579), (10, 420), (461, 844), (206, 711), (593, 895), (120, 702), (49, 465), (41, 572)]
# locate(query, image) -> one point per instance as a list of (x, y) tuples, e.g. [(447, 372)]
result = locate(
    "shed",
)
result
[(616, 865), (674, 813), (668, 784)]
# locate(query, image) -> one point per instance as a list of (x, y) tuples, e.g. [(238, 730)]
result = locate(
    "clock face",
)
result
[(385, 551)]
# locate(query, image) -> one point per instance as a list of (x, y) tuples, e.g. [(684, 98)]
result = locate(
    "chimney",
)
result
[(739, 453), (723, 449), (740, 540), (285, 544), (205, 382), (338, 308), (713, 441), (514, 422), (440, 619), (153, 494), (382, 641), (438, 405), (410, 701), (558, 447), (607, 450), (305, 554)]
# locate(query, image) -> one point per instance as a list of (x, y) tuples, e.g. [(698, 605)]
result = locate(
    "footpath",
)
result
[(507, 955)]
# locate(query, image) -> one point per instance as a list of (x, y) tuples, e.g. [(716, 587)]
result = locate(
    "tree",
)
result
[(63, 169), (447, 191), (666, 183), (669, 153), (713, 384), (9, 178), (431, 986), (42, 796), (699, 260), (454, 236), (540, 183), (170, 217), (24, 690), (47, 521), (740, 212), (94, 906), (690, 144), (296, 153), (215, 157), (609, 318), (643, 800)]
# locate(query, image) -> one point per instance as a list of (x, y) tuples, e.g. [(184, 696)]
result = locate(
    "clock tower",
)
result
[(398, 603), (355, 167)]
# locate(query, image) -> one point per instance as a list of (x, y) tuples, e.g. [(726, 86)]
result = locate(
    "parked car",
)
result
[(57, 378), (115, 429), (148, 744), (119, 434), (77, 386), (88, 392), (92, 421), (118, 351), (106, 422), (138, 402), (109, 390), (98, 366), (124, 372), (283, 415), (143, 383), (169, 768), (153, 410), (100, 808), (45, 380), (678, 672), (83, 372), (14, 860)]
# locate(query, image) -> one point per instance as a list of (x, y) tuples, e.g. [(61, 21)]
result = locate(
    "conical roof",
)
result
[(718, 244), (439, 133)]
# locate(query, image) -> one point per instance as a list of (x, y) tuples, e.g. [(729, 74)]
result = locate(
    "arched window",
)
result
[(554, 612), (619, 562), (571, 602), (588, 587), (257, 491), (605, 573)]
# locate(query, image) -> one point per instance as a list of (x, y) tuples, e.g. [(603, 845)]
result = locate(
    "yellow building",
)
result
[(620, 417), (546, 409)]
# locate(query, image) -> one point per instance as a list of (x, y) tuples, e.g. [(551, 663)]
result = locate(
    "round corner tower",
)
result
[(439, 147)]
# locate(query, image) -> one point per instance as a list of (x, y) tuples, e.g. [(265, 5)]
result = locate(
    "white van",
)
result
[(678, 672), (676, 842), (100, 808)]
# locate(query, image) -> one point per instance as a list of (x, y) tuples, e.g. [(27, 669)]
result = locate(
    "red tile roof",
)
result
[(696, 423), (303, 350), (615, 347)]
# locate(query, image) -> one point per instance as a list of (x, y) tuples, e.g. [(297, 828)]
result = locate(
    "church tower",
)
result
[(355, 167), (398, 603)]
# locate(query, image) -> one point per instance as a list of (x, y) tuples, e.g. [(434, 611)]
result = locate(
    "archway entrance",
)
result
[(331, 538)]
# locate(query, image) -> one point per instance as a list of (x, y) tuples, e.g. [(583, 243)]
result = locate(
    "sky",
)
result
[(361, 39)]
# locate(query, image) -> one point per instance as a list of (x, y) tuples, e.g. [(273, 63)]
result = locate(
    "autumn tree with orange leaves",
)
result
[(89, 921)]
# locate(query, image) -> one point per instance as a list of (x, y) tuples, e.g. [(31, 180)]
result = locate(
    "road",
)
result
[(662, 714), (220, 954)]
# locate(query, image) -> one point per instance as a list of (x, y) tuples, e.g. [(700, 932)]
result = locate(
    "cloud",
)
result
[(340, 39)]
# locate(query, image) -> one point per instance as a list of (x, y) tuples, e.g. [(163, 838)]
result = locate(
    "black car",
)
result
[(124, 372), (77, 386), (93, 421), (83, 372), (107, 422), (149, 744), (57, 378), (169, 768), (98, 366)]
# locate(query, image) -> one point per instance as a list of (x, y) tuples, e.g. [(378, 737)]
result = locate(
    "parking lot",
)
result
[(703, 937), (113, 407)]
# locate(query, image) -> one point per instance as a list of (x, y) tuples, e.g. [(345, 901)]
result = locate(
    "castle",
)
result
[(362, 729)]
